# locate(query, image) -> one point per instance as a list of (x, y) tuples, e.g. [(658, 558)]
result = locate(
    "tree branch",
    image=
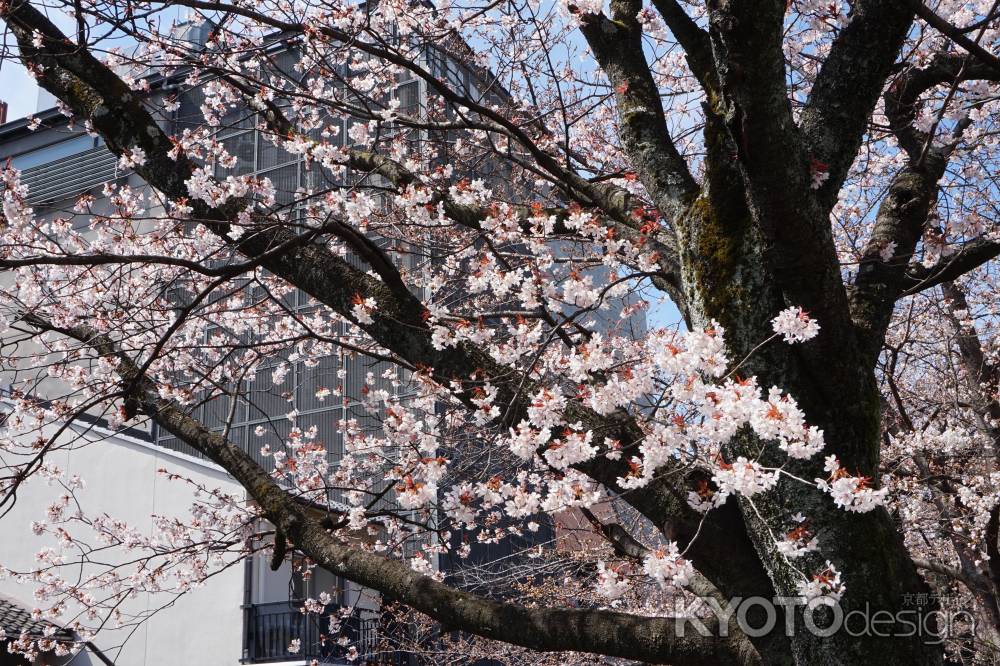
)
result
[(970, 257), (848, 86), (651, 639), (956, 35), (902, 215), (695, 42), (945, 570), (900, 221), (398, 323), (617, 45)]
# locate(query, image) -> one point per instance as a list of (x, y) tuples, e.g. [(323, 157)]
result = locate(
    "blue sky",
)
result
[(17, 87), (19, 90)]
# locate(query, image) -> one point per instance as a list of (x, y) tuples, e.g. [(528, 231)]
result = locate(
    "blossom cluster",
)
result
[(474, 403)]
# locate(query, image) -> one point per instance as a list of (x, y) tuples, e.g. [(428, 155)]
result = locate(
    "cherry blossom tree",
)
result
[(809, 184)]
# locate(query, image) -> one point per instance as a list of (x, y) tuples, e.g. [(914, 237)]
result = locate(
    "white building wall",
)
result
[(202, 627)]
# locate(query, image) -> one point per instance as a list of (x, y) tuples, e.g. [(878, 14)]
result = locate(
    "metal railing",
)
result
[(270, 629)]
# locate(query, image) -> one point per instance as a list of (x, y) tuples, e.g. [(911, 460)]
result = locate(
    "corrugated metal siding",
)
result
[(71, 176)]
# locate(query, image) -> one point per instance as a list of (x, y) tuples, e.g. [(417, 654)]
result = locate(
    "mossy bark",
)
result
[(727, 279)]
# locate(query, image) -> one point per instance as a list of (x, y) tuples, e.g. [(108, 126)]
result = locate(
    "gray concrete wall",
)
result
[(203, 626)]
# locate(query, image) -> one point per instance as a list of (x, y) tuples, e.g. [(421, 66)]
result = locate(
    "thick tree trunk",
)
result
[(741, 261), (727, 280)]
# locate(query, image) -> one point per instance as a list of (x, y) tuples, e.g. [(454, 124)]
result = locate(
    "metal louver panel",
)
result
[(71, 176)]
